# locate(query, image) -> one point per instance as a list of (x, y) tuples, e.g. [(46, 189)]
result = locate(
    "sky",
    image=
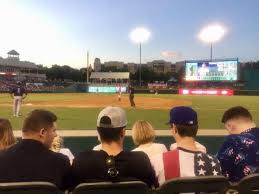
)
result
[(62, 31)]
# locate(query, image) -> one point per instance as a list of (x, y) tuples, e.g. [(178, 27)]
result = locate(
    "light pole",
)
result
[(87, 68), (140, 35), (211, 34)]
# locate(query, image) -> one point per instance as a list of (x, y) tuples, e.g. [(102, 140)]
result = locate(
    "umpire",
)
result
[(131, 91), (18, 93)]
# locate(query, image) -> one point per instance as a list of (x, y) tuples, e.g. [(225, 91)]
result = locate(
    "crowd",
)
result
[(6, 85), (207, 85), (40, 154)]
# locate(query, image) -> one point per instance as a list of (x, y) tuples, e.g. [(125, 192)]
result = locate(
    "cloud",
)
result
[(171, 54)]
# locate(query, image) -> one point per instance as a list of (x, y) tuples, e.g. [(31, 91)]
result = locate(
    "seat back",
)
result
[(249, 184), (29, 188), (198, 184), (131, 187)]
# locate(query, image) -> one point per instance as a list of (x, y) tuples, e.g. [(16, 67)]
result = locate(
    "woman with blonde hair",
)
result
[(143, 135), (58, 146), (7, 138)]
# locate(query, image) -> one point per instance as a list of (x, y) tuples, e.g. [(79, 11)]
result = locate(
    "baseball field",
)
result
[(79, 110)]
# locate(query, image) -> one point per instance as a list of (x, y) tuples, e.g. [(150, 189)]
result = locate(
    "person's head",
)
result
[(142, 133), (57, 144), (19, 83), (237, 119), (111, 124), (7, 138), (40, 125), (183, 122)]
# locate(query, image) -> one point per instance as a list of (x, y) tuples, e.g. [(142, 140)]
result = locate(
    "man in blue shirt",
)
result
[(239, 153)]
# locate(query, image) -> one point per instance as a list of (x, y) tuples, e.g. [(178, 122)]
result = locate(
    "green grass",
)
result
[(209, 108)]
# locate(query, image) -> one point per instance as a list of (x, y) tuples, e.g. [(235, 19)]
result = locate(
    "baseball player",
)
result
[(18, 93), (119, 94), (131, 96)]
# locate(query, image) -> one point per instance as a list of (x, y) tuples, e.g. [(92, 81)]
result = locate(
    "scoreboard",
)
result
[(211, 70)]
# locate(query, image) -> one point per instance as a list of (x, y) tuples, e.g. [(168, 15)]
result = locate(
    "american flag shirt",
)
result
[(184, 163), (239, 154)]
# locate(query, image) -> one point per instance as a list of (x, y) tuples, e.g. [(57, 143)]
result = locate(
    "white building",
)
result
[(12, 68)]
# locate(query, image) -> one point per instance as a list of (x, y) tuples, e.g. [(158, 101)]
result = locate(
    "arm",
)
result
[(226, 156)]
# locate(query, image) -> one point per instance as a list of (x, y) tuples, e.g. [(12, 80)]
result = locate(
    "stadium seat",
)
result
[(199, 184), (249, 184), (29, 188), (131, 187)]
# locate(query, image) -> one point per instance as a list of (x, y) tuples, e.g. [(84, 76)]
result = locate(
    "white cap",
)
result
[(117, 116)]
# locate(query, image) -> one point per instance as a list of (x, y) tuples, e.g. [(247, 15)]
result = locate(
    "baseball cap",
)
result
[(116, 115), (183, 115)]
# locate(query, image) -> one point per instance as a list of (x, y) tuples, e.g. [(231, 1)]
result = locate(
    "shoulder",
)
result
[(61, 158), (136, 155), (208, 160), (90, 155), (136, 149), (159, 145), (3, 154), (208, 156), (97, 147), (87, 153), (232, 141), (65, 151)]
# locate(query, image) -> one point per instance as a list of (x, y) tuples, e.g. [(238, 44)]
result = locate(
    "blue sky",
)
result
[(61, 31)]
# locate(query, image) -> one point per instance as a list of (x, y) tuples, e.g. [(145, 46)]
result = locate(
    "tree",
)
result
[(65, 72)]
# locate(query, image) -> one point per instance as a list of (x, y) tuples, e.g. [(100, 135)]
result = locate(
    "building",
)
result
[(114, 64), (158, 66), (97, 64), (161, 66), (12, 68)]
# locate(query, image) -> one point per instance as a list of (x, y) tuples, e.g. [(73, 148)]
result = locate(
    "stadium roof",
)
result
[(13, 52), (109, 75)]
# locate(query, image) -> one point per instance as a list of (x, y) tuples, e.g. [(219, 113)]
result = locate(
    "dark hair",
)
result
[(187, 131), (38, 119), (236, 112), (108, 134)]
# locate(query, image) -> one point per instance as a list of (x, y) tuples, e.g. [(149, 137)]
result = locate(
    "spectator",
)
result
[(7, 138), (111, 163), (239, 152), (30, 159), (58, 146), (186, 160), (143, 136)]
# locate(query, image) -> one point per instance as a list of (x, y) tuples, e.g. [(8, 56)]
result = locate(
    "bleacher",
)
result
[(200, 185)]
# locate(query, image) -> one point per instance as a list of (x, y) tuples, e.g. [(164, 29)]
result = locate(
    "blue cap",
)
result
[(183, 115)]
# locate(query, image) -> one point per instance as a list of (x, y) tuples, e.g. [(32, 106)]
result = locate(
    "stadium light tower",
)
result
[(140, 35), (212, 34)]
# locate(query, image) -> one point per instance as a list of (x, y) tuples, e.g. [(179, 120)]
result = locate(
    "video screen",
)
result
[(211, 71)]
